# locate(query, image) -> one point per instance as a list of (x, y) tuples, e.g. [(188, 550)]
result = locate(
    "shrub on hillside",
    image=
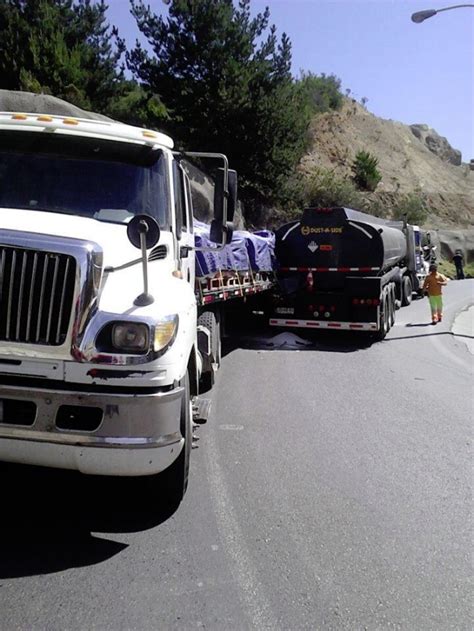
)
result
[(366, 175), (321, 92), (323, 188), (412, 207)]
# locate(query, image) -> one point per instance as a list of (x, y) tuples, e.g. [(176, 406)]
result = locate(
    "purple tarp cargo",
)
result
[(246, 251)]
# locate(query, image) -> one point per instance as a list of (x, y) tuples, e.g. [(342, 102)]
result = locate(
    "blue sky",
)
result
[(412, 73)]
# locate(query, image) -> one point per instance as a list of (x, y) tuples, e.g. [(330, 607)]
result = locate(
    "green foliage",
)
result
[(60, 47), (374, 205), (321, 92), (323, 188), (366, 175), (412, 207), (135, 106), (225, 80)]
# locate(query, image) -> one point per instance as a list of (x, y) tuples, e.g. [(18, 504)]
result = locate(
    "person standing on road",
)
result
[(458, 261), (433, 286)]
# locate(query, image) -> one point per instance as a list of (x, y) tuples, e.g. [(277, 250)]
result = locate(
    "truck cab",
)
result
[(98, 337)]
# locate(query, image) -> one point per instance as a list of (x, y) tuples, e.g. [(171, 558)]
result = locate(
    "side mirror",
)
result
[(232, 199), (222, 227), (146, 226), (220, 233), (220, 195), (143, 232)]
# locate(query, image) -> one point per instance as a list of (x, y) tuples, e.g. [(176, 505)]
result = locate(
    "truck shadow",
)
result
[(48, 517), (266, 339)]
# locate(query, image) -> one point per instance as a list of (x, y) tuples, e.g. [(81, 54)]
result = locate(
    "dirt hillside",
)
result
[(409, 158)]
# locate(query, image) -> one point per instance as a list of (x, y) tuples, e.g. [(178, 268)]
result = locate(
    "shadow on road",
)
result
[(48, 517), (259, 336)]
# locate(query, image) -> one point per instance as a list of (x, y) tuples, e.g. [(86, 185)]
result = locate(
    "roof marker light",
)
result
[(70, 121), (19, 117), (149, 134), (45, 119)]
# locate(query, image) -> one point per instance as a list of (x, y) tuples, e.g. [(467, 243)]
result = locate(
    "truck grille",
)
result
[(36, 295)]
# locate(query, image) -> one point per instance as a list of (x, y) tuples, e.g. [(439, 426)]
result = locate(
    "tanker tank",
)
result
[(340, 239)]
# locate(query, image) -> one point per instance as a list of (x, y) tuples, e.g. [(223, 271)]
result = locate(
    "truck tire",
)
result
[(384, 318), (209, 320), (174, 480), (407, 290), (392, 305)]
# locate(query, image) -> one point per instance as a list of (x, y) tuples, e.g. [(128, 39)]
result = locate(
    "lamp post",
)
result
[(420, 16)]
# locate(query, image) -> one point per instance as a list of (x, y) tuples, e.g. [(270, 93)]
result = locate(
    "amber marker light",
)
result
[(70, 121), (148, 134), (19, 117), (45, 119)]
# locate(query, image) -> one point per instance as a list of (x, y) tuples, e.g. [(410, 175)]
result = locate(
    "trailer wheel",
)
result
[(384, 318), (407, 290), (208, 320), (392, 305), (174, 479)]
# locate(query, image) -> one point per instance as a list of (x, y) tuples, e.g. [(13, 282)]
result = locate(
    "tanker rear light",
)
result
[(369, 302)]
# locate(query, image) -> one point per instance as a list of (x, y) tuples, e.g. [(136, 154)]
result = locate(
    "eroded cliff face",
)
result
[(410, 158), (437, 144)]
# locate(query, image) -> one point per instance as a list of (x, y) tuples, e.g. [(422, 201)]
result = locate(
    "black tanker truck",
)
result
[(339, 268)]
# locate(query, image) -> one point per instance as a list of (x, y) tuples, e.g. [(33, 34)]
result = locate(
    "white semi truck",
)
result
[(105, 333)]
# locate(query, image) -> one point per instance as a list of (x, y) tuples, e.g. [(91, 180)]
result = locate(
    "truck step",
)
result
[(201, 410)]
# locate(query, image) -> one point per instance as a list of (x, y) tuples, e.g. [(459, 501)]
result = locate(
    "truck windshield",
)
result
[(101, 179)]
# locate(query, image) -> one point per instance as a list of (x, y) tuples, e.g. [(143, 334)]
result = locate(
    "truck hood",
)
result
[(112, 238)]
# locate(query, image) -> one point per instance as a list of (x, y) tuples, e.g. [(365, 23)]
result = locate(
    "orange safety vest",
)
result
[(432, 284)]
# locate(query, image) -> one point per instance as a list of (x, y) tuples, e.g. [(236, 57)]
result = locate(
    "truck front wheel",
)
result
[(208, 319), (174, 480)]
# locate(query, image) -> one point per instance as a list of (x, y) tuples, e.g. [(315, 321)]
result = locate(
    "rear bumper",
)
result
[(135, 434), (321, 324)]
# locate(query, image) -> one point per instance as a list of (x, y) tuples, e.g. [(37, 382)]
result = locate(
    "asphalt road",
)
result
[(330, 489)]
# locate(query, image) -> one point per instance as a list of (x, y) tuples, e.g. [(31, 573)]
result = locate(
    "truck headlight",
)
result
[(131, 337), (165, 332)]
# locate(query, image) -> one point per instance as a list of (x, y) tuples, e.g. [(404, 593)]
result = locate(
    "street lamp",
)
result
[(420, 16)]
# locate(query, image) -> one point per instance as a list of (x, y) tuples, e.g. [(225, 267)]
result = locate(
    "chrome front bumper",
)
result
[(137, 434)]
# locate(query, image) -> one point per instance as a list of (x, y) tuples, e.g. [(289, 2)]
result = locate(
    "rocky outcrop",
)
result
[(437, 144), (448, 241), (452, 240)]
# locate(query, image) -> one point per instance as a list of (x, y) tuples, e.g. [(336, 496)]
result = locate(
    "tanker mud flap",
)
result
[(201, 410)]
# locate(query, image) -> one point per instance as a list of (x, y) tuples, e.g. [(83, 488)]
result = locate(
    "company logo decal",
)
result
[(307, 230)]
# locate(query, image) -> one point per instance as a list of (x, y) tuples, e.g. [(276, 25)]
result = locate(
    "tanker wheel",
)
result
[(392, 305), (407, 290), (384, 318)]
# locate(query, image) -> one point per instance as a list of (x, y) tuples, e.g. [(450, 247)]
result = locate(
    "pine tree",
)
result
[(225, 80), (62, 47)]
